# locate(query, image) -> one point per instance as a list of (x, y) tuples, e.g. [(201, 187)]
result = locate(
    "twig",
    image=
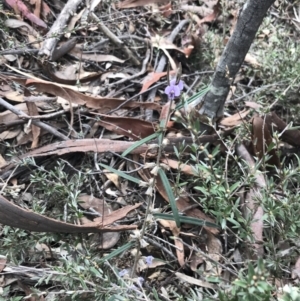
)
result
[(38, 123), (19, 51), (123, 37), (116, 40), (143, 70), (58, 27)]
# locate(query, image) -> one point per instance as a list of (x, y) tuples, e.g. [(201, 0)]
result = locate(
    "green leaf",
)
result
[(186, 220), (170, 194), (121, 174), (118, 251), (193, 98), (139, 143)]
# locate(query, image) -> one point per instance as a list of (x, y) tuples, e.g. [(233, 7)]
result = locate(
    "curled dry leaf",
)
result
[(235, 119)]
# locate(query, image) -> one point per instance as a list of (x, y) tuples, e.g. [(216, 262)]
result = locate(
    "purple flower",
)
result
[(140, 281), (123, 273), (149, 259), (174, 90)]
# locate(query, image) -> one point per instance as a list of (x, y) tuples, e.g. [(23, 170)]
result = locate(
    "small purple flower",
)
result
[(174, 90), (149, 260), (140, 281), (123, 273)]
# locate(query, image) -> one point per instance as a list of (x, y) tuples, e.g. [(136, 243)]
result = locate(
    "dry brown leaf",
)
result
[(187, 169), (15, 216), (262, 139), (195, 261), (10, 134), (73, 22), (14, 96), (152, 78), (251, 206), (178, 243), (164, 44), (296, 270), (112, 177), (253, 105), (192, 280), (217, 8), (251, 60), (103, 105), (235, 119), (3, 261), (33, 111), (166, 10), (275, 123), (7, 116), (130, 127)]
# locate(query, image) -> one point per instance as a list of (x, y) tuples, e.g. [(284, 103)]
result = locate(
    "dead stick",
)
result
[(58, 27), (38, 123)]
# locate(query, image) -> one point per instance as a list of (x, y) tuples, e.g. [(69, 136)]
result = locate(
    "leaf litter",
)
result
[(98, 79)]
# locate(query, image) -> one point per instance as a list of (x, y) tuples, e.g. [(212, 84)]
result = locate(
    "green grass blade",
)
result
[(139, 143), (121, 174), (170, 194), (186, 220), (193, 98), (118, 251)]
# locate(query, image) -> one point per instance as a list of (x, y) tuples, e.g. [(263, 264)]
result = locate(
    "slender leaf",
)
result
[(121, 174), (170, 194), (193, 98), (118, 251), (139, 143)]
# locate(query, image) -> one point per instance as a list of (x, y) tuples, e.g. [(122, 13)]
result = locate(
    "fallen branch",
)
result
[(58, 27)]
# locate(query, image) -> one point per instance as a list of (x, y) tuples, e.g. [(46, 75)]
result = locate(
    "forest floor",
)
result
[(111, 192)]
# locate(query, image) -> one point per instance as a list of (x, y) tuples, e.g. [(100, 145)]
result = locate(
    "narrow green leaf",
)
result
[(118, 251), (121, 174), (170, 194), (139, 143), (186, 220), (193, 98)]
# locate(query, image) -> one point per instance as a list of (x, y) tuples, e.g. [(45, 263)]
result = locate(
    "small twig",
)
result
[(116, 40), (38, 123), (123, 37), (143, 70), (160, 246)]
